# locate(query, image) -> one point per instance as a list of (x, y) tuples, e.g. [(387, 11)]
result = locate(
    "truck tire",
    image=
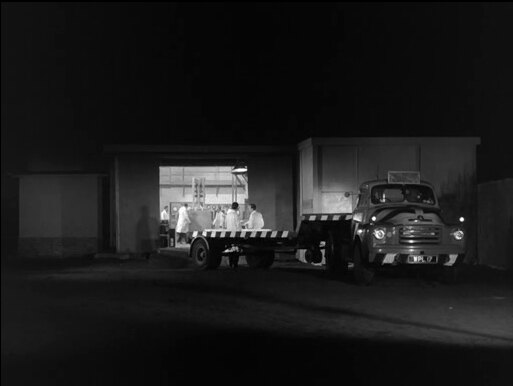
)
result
[(204, 257), (260, 261), (362, 275), (335, 255)]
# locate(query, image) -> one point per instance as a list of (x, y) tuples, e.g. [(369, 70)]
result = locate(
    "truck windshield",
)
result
[(400, 193)]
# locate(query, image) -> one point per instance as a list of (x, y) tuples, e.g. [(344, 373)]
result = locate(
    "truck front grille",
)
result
[(419, 234)]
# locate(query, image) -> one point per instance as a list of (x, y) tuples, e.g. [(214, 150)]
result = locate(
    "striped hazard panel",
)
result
[(244, 234), (326, 217)]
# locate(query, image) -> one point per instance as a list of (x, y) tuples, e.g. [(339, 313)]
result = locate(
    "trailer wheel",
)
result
[(362, 275), (336, 261), (203, 256), (260, 261)]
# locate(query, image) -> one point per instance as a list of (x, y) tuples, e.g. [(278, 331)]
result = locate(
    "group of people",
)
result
[(231, 219), (231, 222)]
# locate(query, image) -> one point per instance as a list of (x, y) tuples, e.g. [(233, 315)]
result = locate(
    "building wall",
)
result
[(271, 189), (337, 178), (60, 215), (374, 161), (495, 213), (306, 180), (137, 212), (331, 170)]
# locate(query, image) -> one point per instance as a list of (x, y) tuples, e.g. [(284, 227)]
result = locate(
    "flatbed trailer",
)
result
[(315, 232)]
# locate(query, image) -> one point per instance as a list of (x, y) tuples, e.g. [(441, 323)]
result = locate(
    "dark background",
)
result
[(77, 76)]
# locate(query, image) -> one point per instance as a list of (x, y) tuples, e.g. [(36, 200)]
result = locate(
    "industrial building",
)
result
[(80, 213)]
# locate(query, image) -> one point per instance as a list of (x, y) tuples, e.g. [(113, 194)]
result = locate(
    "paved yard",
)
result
[(157, 321)]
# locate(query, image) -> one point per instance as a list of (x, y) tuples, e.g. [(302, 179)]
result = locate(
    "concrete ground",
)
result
[(158, 321)]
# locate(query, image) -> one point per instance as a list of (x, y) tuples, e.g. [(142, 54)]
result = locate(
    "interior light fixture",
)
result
[(239, 168)]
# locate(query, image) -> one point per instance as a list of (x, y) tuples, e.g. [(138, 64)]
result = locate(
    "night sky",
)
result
[(77, 76)]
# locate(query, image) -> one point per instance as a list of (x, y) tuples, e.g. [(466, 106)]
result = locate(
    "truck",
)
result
[(396, 222)]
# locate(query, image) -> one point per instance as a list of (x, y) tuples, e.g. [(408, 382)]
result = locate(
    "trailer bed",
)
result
[(315, 231)]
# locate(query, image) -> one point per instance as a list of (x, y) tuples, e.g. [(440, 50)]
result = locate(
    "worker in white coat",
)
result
[(219, 219), (256, 220), (182, 225), (233, 224), (164, 215), (232, 220)]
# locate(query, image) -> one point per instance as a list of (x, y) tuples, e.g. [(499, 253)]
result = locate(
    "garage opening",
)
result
[(206, 190)]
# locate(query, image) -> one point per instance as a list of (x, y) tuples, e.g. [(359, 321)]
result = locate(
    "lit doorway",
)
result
[(205, 189)]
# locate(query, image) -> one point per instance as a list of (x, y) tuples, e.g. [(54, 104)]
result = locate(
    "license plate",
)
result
[(421, 259)]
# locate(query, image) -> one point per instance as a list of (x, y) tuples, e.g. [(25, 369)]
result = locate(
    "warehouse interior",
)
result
[(206, 189)]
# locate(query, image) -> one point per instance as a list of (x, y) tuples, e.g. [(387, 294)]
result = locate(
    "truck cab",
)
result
[(398, 221)]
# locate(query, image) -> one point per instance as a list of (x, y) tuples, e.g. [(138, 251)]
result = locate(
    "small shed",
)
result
[(61, 214)]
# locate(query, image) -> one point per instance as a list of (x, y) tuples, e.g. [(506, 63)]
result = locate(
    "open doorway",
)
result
[(205, 190)]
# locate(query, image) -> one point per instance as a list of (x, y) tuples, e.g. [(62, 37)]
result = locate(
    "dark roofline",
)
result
[(59, 174), (196, 149), (335, 141)]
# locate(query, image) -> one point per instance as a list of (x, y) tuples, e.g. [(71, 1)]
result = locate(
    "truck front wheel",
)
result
[(204, 257), (362, 275), (336, 255)]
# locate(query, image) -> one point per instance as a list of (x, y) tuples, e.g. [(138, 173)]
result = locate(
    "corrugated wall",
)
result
[(495, 229)]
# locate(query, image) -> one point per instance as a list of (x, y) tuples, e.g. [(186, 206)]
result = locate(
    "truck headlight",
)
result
[(379, 233), (458, 234)]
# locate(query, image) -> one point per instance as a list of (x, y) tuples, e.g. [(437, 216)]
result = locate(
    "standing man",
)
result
[(233, 223), (232, 218), (182, 225), (164, 215), (218, 222), (256, 220), (164, 228)]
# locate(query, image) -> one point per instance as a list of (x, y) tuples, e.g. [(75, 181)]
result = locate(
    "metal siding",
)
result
[(374, 161), (338, 175)]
